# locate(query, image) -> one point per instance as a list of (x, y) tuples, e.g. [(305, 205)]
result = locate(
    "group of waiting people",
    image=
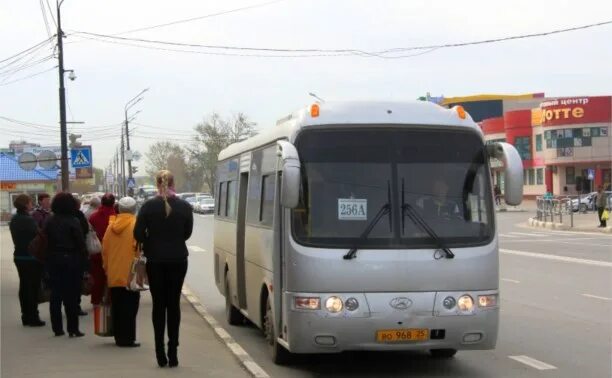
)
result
[(163, 225)]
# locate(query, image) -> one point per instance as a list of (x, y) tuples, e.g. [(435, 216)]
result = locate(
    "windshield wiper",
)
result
[(384, 210), (416, 218)]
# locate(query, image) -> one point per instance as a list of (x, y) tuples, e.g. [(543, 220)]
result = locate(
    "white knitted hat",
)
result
[(127, 205)]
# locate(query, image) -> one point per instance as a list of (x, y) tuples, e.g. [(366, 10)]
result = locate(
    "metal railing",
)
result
[(552, 209)]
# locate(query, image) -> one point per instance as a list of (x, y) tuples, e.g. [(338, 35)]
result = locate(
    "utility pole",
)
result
[(62, 103), (123, 189), (136, 99)]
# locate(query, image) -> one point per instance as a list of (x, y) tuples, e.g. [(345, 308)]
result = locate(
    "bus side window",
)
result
[(222, 199), (231, 199), (267, 200)]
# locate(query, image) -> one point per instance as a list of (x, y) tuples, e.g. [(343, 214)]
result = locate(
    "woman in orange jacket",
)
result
[(118, 252)]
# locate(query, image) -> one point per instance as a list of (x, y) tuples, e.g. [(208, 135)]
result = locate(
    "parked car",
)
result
[(191, 201), (586, 202), (205, 205)]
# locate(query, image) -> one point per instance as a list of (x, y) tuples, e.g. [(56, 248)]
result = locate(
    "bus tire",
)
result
[(232, 314), (279, 354), (443, 353)]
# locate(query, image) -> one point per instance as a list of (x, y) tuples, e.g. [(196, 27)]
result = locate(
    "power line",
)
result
[(27, 77), (26, 66), (51, 13), (26, 50), (380, 53), (200, 17), (44, 14), (33, 52)]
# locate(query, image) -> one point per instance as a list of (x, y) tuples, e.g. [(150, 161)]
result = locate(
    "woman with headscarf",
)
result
[(99, 222), (66, 258), (118, 253), (163, 225)]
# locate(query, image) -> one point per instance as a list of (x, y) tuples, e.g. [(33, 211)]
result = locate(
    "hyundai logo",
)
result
[(400, 303)]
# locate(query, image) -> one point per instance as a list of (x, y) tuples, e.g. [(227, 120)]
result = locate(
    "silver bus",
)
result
[(363, 226)]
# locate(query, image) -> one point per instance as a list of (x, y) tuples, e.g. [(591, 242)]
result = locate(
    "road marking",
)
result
[(596, 297), (510, 280), (557, 258), (195, 248), (528, 234), (507, 236), (241, 355), (532, 362)]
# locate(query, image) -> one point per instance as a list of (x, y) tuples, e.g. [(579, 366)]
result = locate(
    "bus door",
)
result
[(241, 227)]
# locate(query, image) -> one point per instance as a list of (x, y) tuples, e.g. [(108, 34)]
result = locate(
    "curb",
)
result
[(532, 222), (241, 355)]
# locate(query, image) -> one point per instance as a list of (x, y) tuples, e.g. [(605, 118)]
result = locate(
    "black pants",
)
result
[(66, 276), (30, 278), (600, 211), (124, 310), (165, 282)]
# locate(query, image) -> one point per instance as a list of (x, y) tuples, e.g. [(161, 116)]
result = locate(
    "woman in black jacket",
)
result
[(163, 225), (66, 257), (23, 230)]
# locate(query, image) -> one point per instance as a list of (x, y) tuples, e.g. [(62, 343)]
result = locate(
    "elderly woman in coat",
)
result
[(118, 253)]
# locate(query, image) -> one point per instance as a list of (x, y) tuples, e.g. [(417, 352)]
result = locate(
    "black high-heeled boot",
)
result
[(77, 333), (172, 357), (160, 354)]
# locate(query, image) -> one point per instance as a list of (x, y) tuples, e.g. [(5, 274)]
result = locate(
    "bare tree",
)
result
[(170, 156), (213, 135)]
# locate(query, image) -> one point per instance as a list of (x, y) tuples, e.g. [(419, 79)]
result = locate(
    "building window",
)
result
[(523, 146), (532, 177), (525, 174), (540, 176), (539, 142), (570, 176)]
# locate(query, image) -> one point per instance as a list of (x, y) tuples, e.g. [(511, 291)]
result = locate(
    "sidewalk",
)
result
[(584, 222), (35, 352)]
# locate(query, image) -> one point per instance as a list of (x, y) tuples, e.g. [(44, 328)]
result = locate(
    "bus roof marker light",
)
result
[(461, 112), (314, 110)]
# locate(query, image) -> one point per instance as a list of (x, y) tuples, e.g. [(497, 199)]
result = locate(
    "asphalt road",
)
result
[(556, 317)]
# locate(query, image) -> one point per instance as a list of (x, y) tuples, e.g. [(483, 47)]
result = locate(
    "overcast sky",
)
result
[(185, 87)]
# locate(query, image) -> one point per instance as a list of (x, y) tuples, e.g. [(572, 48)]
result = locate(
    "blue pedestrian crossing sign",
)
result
[(131, 183), (80, 157), (590, 174)]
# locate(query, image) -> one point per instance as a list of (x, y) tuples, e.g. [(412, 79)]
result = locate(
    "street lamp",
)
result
[(135, 100)]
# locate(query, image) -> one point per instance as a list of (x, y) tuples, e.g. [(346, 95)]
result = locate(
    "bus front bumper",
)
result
[(321, 331)]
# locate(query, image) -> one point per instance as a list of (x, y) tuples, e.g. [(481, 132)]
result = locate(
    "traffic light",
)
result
[(134, 170)]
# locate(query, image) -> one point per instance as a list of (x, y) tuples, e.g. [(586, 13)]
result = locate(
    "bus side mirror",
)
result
[(513, 174), (290, 179)]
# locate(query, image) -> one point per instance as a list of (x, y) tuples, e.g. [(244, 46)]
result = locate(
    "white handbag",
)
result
[(92, 242), (137, 279)]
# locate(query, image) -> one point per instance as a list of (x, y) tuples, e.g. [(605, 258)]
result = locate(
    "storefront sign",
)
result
[(568, 111), (8, 186)]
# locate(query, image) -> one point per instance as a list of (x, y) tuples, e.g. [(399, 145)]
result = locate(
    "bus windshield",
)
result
[(348, 175)]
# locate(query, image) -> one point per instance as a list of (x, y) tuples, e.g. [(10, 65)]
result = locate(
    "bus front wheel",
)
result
[(443, 353), (280, 355), (232, 314)]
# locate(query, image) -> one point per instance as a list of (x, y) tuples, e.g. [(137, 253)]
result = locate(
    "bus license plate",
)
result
[(401, 335)]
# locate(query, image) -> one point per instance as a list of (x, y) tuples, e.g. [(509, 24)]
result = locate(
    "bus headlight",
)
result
[(487, 301), (465, 303), (333, 304), (307, 303)]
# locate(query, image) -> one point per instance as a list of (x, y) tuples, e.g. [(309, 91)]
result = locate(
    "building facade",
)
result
[(565, 143)]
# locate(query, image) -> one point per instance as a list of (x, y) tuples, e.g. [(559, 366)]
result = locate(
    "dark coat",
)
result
[(23, 230), (164, 237), (40, 215), (65, 236)]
